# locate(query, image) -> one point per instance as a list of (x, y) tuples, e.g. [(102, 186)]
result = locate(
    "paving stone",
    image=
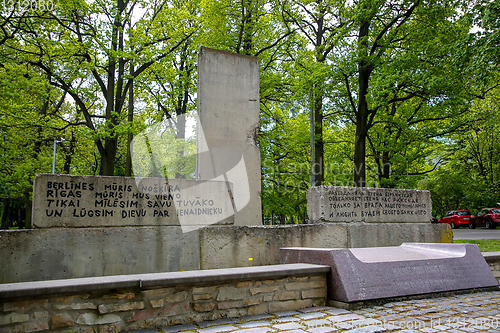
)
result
[(252, 324), (311, 315), (288, 326), (285, 320), (177, 328), (390, 317), (336, 311), (149, 330), (366, 322), (440, 327), (322, 329), (428, 330), (224, 321), (391, 327), (257, 330), (344, 325), (317, 323), (367, 329), (346, 317), (256, 317), (286, 313), (217, 329)]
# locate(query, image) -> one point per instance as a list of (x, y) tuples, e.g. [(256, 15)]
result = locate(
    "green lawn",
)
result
[(485, 245)]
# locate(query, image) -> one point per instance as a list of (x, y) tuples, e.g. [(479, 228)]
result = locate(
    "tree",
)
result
[(84, 49), (470, 175), (30, 116), (384, 45), (320, 24)]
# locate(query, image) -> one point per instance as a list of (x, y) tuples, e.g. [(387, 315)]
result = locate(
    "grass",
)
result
[(485, 245)]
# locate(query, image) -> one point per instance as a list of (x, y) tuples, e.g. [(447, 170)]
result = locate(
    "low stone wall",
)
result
[(67, 253), (493, 260), (119, 303)]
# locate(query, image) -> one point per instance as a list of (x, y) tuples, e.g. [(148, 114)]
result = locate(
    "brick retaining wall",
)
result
[(118, 303)]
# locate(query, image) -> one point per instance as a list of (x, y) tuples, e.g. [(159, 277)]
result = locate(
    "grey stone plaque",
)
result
[(354, 204), (96, 201), (363, 274)]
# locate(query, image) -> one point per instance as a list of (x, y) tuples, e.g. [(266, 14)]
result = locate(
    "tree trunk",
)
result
[(28, 211), (362, 125), (130, 119), (108, 158), (319, 169), (5, 214), (181, 135)]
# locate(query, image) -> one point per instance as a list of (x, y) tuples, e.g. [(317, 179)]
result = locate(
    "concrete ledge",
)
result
[(145, 281), (490, 256)]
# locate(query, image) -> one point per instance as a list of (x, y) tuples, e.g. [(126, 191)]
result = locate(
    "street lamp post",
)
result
[(54, 155)]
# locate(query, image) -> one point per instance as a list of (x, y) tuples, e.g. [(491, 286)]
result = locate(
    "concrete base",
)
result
[(382, 301), (65, 253), (365, 274)]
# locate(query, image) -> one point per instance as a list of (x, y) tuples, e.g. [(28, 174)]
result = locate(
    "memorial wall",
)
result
[(87, 226), (351, 204)]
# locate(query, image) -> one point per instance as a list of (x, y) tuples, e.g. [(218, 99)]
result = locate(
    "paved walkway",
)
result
[(476, 312)]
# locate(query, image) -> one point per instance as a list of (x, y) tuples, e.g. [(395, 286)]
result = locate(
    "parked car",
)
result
[(456, 218), (488, 217)]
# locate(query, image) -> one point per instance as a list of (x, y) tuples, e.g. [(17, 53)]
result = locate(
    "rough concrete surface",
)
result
[(57, 253), (235, 245), (228, 122), (394, 234), (60, 253)]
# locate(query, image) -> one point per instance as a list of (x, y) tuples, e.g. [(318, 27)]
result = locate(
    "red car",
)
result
[(488, 217), (456, 218)]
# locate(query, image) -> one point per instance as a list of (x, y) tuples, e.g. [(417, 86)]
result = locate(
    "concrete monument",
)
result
[(363, 274), (228, 123), (87, 226)]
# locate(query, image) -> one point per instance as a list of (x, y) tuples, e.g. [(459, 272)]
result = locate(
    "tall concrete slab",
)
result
[(227, 128)]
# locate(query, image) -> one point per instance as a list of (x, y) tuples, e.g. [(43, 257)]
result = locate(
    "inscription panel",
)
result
[(89, 201), (350, 204)]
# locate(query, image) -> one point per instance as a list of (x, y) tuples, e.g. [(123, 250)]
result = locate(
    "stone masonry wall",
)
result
[(130, 309), (494, 263)]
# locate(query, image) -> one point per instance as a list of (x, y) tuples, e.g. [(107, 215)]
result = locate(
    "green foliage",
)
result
[(470, 178), (409, 77)]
